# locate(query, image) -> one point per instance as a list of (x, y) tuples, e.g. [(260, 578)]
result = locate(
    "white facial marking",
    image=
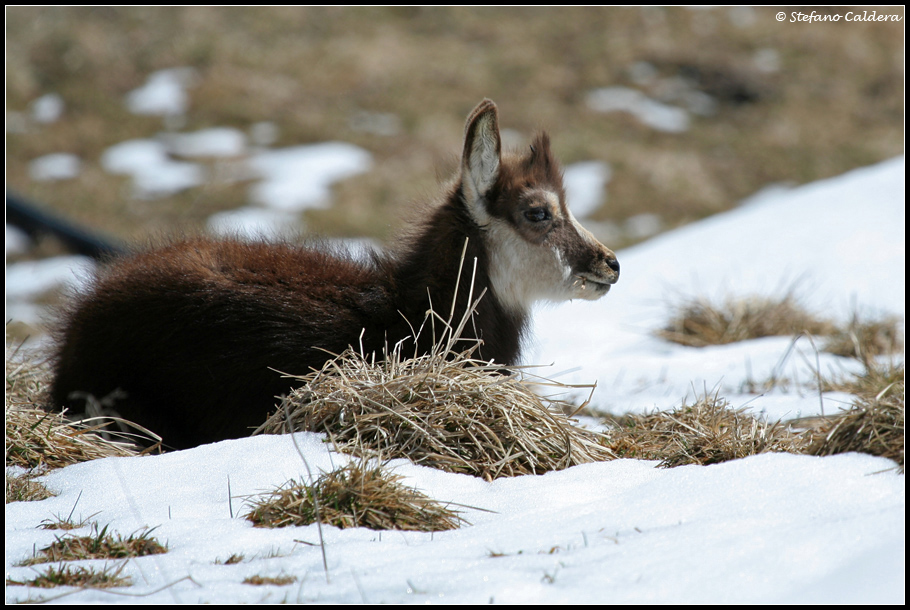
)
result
[(566, 269), (523, 272), (585, 234)]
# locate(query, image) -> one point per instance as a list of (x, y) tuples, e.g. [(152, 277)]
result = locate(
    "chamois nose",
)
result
[(612, 263)]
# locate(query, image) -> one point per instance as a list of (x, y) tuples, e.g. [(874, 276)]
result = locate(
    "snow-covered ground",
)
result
[(766, 529)]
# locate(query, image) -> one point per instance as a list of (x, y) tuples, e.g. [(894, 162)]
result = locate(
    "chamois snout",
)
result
[(595, 280), (595, 271)]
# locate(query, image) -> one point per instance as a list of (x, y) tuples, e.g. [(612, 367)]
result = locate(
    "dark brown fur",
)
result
[(192, 333)]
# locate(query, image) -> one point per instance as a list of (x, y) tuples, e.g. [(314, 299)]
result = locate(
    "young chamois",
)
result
[(186, 339)]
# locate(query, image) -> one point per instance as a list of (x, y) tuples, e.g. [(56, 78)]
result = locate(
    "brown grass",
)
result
[(355, 495), (864, 338), (234, 558), (23, 488), (269, 580), (443, 410), (875, 422), (38, 439), (706, 432), (699, 323)]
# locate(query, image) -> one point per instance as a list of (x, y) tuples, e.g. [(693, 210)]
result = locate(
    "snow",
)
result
[(17, 240), (299, 177), (26, 281), (154, 173), (55, 166), (772, 528), (654, 114), (47, 108), (253, 222), (163, 93), (212, 142)]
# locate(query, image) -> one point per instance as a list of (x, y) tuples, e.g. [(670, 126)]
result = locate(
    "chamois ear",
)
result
[(540, 151), (481, 157)]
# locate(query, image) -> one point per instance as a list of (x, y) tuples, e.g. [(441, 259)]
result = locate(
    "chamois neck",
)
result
[(427, 274), (434, 255)]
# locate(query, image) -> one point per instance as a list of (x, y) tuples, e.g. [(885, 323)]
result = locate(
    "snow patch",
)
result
[(300, 177), (163, 93), (652, 113), (154, 173), (55, 166)]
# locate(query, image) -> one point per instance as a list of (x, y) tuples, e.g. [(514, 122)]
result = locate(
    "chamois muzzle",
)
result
[(595, 279)]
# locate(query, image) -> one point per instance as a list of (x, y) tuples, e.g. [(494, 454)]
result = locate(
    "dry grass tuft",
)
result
[(36, 438), (707, 432), (99, 545), (23, 488), (443, 410), (234, 558), (866, 338), (699, 323), (875, 422), (355, 495), (77, 576), (875, 379), (269, 580)]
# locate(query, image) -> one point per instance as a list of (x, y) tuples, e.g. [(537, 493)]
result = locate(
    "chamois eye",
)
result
[(537, 215)]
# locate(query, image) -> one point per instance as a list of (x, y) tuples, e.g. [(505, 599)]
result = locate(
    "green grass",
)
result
[(98, 545), (77, 576), (23, 488)]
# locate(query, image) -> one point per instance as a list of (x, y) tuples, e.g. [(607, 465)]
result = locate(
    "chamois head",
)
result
[(537, 249)]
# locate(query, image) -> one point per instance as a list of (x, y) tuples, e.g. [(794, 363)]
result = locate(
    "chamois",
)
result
[(185, 339)]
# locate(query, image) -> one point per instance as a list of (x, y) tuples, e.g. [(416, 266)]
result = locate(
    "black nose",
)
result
[(613, 264)]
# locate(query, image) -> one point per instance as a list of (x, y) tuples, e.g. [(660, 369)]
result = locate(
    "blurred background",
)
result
[(138, 122)]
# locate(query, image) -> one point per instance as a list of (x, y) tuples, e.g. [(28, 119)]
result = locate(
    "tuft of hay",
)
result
[(234, 558), (875, 422), (866, 338), (875, 379), (36, 438), (444, 410), (699, 323), (98, 545), (707, 432), (270, 580), (355, 495)]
